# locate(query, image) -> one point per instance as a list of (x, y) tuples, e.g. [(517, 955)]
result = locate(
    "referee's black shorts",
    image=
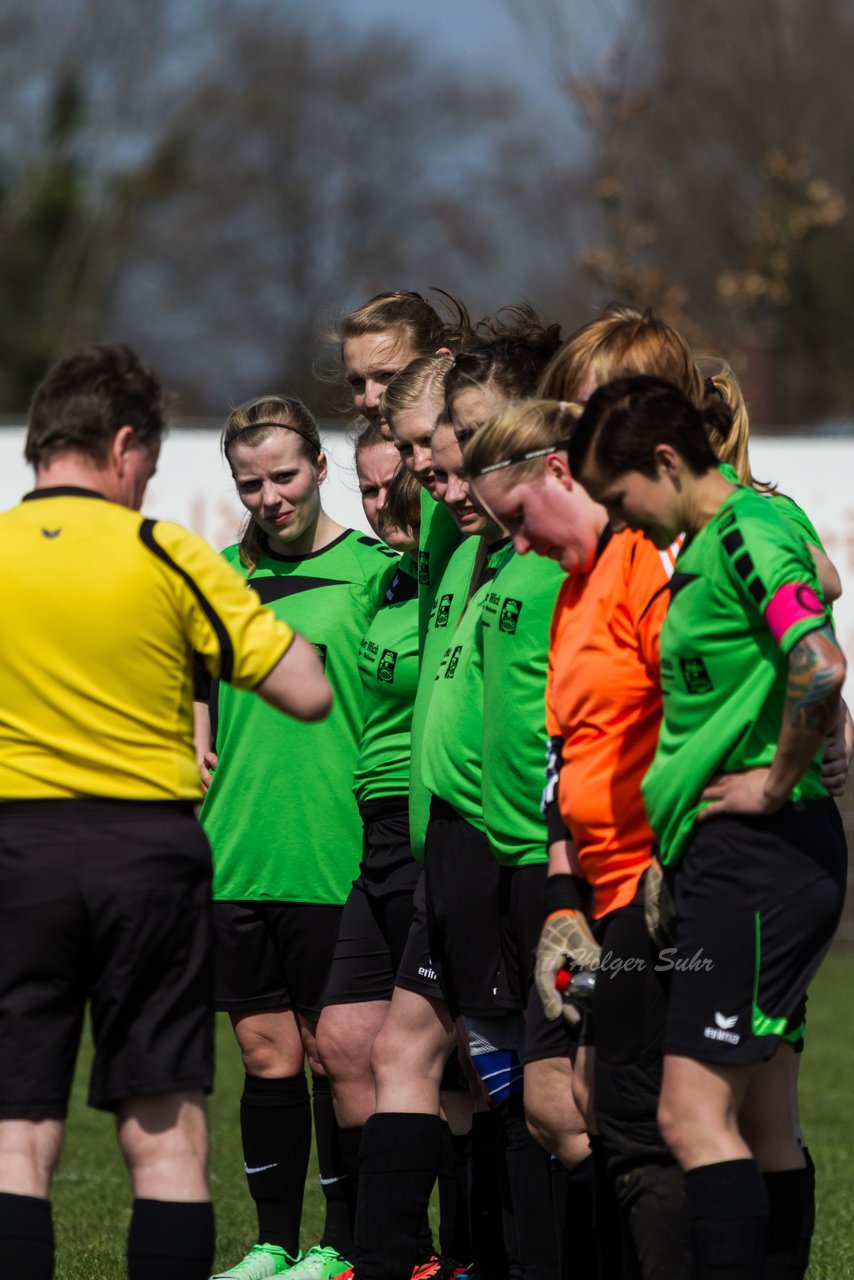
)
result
[(757, 903), (105, 901)]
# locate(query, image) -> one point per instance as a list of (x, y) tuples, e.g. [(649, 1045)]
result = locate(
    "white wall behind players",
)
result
[(193, 487)]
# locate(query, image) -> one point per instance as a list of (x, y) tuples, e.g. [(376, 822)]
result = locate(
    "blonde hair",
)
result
[(422, 379), (253, 423), (526, 426), (411, 319), (624, 341), (730, 446)]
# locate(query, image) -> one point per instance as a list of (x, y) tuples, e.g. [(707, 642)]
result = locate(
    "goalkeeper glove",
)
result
[(565, 943)]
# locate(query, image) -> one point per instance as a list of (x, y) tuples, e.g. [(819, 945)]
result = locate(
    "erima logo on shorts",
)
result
[(508, 619), (722, 1029), (424, 971)]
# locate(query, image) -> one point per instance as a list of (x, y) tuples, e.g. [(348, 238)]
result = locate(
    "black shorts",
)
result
[(757, 901), (273, 955), (521, 914), (105, 901), (379, 909), (461, 881), (627, 1029), (416, 971)]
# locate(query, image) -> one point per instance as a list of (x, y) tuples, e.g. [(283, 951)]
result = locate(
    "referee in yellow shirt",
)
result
[(104, 872)]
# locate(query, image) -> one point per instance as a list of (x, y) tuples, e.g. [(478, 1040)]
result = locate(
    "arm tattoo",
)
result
[(812, 694)]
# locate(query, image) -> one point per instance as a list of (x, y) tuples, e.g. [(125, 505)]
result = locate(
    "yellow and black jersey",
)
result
[(102, 610)]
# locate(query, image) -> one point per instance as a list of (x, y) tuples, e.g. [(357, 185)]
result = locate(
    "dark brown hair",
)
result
[(86, 397), (624, 421)]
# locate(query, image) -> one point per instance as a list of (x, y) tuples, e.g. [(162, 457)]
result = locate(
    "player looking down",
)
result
[(751, 841)]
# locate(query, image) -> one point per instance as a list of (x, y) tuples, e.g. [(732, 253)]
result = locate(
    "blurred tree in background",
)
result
[(215, 182), (721, 143)]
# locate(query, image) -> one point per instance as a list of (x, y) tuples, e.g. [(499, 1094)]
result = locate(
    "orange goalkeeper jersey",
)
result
[(604, 701)]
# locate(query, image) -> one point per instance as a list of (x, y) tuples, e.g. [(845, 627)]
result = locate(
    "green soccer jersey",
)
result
[(516, 619), (280, 813), (796, 516), (449, 598), (743, 593), (452, 756), (438, 540), (388, 662)]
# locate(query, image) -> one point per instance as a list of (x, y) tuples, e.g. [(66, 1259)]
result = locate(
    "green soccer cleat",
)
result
[(261, 1261), (319, 1263)]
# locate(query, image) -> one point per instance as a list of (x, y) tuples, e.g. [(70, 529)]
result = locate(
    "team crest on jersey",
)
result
[(424, 568), (443, 610), (385, 666), (320, 650), (695, 675), (508, 619), (453, 662)]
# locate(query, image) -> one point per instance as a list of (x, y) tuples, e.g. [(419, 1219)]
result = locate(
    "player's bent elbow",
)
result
[(297, 684), (828, 575)]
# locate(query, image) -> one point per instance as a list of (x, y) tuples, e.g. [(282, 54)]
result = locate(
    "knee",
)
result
[(396, 1056), (162, 1132), (341, 1052), (261, 1057)]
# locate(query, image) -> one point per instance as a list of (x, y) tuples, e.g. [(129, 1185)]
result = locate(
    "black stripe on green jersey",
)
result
[(679, 581), (226, 649), (270, 589)]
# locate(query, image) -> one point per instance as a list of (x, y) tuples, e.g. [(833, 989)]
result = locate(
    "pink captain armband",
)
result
[(792, 603)]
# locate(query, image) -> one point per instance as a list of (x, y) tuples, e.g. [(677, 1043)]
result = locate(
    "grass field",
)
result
[(92, 1197)]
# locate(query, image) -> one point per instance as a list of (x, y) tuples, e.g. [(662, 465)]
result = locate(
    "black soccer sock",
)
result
[(491, 1225), (651, 1198), (572, 1203), (530, 1194), (728, 1211), (607, 1223), (791, 1220), (26, 1237), (347, 1145), (275, 1123), (332, 1155), (399, 1160), (454, 1232), (170, 1240)]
